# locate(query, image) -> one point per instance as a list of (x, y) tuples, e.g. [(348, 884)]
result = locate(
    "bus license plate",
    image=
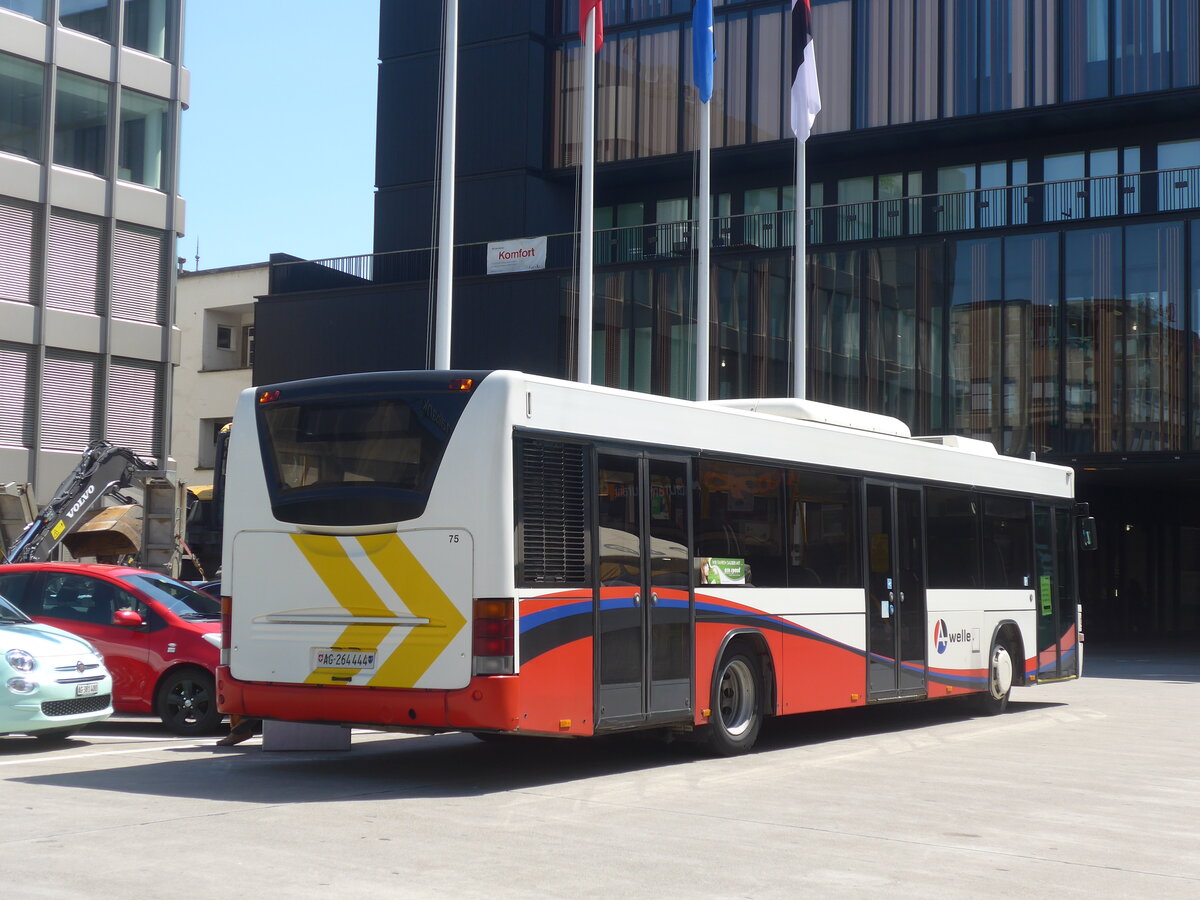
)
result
[(87, 690), (333, 658)]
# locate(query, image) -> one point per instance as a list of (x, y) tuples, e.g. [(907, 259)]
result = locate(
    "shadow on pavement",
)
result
[(459, 765)]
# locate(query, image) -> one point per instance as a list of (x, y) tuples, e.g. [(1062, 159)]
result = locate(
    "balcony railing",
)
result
[(1044, 203)]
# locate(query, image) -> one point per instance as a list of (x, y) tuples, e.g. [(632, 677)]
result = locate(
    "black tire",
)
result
[(55, 735), (994, 700), (736, 706), (187, 702)]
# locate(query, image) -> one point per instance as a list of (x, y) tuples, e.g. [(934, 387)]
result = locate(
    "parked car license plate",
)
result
[(333, 658), (87, 690)]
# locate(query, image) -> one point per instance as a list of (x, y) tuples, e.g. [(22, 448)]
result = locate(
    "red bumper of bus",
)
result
[(488, 702)]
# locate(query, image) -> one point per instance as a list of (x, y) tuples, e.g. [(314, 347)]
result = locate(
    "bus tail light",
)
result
[(492, 637), (226, 619)]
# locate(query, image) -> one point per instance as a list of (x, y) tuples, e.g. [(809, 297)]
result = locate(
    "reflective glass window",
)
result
[(21, 100), (1155, 350), (872, 75), (89, 16), (832, 33), (1179, 175), (1066, 189), (767, 77), (960, 57), (975, 377), (1141, 44), (1042, 51), (658, 88), (1031, 344), (856, 208), (1092, 337), (34, 8), (147, 26), (952, 520), (737, 76), (81, 123), (956, 203), (1007, 543), (1194, 336), (1185, 44), (616, 98), (893, 332), (1085, 59), (835, 328), (926, 23), (739, 517), (142, 153)]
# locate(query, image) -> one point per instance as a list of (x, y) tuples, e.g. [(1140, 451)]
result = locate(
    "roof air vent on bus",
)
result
[(812, 411)]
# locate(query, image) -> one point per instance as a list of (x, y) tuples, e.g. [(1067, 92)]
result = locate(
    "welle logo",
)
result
[(943, 637)]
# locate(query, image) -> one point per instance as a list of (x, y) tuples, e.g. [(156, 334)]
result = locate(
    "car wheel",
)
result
[(994, 700), (187, 702), (54, 735), (737, 706)]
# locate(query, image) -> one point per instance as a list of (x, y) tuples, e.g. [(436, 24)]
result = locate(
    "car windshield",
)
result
[(184, 601), (10, 614)]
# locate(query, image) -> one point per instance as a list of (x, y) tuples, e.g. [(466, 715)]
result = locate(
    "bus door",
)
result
[(896, 593), (1057, 641), (645, 608)]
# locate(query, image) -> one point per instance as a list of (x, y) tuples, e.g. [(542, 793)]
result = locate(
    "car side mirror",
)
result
[(128, 618), (1087, 533)]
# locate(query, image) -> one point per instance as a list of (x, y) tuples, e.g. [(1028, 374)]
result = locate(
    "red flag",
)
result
[(806, 96), (585, 7)]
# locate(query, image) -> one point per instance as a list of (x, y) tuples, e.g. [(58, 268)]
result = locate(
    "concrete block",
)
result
[(304, 736)]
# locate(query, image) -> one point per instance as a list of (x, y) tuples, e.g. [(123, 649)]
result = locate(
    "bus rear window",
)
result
[(355, 460)]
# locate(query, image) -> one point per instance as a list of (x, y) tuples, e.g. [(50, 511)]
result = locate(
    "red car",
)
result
[(160, 639)]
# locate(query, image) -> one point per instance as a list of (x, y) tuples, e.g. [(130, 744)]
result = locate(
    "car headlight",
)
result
[(21, 660), (214, 638), (22, 685)]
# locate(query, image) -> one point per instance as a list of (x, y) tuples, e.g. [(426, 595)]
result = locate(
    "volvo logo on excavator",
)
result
[(81, 502)]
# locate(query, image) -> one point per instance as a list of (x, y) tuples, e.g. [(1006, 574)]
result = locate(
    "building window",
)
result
[(1179, 175), (70, 409), (19, 233), (34, 8), (247, 347), (224, 337), (206, 452), (81, 123), (74, 262), (142, 154), (132, 411), (147, 26), (92, 17), (16, 371), (137, 279), (21, 92)]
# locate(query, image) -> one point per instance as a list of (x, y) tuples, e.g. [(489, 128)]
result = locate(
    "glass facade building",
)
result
[(1002, 217), (91, 93)]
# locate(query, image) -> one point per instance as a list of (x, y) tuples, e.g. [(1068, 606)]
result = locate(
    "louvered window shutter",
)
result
[(73, 263), (132, 410), (69, 400), (553, 503), (137, 273), (19, 259), (16, 413)]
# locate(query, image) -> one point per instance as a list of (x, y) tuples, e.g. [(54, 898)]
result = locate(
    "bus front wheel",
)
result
[(736, 706), (994, 700)]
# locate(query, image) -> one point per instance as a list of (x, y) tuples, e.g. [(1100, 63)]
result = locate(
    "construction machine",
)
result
[(146, 534)]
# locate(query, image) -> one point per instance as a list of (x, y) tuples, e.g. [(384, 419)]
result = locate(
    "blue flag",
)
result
[(703, 49)]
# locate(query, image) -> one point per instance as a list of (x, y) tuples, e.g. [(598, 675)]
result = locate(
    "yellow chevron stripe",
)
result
[(411, 582), (332, 564), (421, 594)]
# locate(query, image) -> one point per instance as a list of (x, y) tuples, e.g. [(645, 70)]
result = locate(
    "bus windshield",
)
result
[(355, 460)]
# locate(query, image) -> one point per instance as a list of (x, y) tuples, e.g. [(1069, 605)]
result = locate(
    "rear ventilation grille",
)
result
[(553, 527)]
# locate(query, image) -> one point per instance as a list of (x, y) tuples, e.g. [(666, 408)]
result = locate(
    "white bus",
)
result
[(502, 552)]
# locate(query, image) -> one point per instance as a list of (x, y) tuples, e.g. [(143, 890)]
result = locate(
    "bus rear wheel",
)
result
[(994, 700), (736, 706)]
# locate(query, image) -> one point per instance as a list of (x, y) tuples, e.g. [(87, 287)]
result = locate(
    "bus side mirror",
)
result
[(1087, 533)]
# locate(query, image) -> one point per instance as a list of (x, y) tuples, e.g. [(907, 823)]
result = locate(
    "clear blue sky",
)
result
[(278, 145)]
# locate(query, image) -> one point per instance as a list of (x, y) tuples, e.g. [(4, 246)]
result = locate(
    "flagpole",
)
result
[(445, 252), (800, 304), (587, 205), (704, 241)]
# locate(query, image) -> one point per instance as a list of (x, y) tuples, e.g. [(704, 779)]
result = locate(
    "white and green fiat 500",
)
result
[(51, 683)]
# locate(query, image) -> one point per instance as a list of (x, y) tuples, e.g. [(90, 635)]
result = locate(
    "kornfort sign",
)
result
[(523, 255)]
